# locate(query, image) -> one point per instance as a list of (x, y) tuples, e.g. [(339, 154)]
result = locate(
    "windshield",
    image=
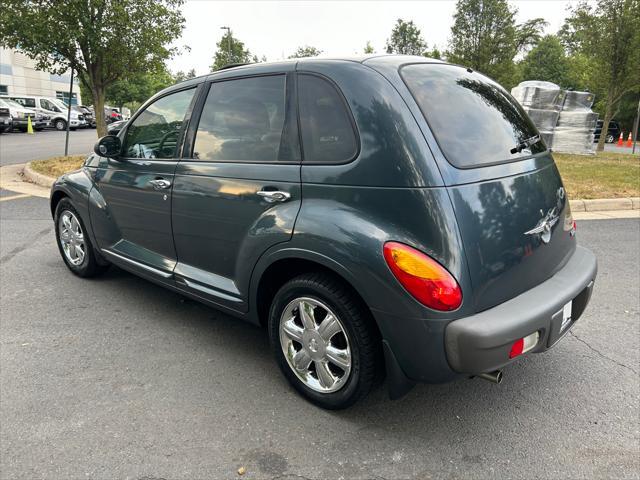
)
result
[(475, 121), (61, 105)]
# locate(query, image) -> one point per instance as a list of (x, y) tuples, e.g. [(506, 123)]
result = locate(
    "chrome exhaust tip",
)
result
[(493, 377)]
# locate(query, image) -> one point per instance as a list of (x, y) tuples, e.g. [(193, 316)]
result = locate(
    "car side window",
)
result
[(327, 131), (26, 102), (47, 105), (155, 133), (242, 120)]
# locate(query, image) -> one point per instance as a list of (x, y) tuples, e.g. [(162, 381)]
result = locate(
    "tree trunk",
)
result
[(605, 123), (98, 105)]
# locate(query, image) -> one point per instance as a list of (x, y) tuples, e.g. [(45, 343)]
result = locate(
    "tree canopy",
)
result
[(547, 61), (306, 51), (102, 40), (485, 37), (230, 50), (406, 39), (607, 38)]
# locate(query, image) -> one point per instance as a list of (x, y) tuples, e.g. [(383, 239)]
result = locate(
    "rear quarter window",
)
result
[(327, 128), (475, 121)]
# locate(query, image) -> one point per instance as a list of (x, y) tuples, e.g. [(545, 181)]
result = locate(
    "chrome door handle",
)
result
[(160, 183), (273, 196)]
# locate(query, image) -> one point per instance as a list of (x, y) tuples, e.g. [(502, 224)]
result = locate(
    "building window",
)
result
[(4, 90), (64, 96)]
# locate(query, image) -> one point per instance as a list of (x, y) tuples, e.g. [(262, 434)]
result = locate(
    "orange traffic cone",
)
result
[(629, 141), (621, 140)]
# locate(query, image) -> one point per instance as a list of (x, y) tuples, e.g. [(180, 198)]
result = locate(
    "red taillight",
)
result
[(424, 278)]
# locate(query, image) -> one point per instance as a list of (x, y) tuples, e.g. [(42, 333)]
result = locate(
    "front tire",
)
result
[(324, 340), (73, 241), (610, 139), (60, 125)]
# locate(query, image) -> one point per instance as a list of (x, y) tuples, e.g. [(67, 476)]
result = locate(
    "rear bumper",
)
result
[(481, 343)]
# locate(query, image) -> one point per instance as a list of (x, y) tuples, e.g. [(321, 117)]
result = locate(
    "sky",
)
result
[(338, 28)]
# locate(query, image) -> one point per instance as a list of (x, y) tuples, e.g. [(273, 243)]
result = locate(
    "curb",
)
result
[(597, 205), (32, 176), (605, 204)]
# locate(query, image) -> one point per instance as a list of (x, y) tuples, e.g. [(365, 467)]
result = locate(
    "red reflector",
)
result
[(516, 348)]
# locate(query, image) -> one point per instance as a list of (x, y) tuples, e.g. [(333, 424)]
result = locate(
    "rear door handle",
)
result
[(272, 196), (160, 183)]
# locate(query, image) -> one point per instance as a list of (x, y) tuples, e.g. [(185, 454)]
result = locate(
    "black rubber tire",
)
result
[(610, 139), (90, 267), (60, 125), (362, 335)]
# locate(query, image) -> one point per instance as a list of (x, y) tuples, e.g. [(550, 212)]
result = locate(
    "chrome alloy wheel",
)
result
[(71, 237), (315, 344)]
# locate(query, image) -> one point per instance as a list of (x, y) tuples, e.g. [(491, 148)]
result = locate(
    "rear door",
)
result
[(134, 224), (237, 192), (510, 204)]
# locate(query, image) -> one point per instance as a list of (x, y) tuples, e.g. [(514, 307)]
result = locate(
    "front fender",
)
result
[(77, 186)]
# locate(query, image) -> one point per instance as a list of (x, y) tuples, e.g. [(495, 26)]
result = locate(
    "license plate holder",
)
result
[(560, 323)]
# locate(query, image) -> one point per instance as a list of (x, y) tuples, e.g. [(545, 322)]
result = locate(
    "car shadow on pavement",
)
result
[(231, 341)]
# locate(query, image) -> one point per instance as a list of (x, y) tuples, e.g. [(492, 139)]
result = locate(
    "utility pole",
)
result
[(228, 42), (66, 142)]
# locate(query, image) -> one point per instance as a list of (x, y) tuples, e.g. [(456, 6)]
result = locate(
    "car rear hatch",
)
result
[(515, 223)]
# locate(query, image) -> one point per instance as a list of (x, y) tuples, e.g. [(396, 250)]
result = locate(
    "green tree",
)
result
[(406, 39), (608, 37), (485, 37), (368, 48), (306, 51), (230, 50), (135, 89), (103, 41), (181, 76), (434, 53), (547, 61)]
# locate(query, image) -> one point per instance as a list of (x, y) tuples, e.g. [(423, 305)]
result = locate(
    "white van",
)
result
[(51, 107)]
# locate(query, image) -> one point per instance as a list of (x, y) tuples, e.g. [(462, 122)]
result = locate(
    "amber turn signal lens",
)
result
[(424, 278)]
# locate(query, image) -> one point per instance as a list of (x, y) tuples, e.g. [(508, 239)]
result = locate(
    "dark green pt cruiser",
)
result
[(385, 214)]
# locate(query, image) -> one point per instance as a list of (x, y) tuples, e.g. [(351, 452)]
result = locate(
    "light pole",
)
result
[(228, 42)]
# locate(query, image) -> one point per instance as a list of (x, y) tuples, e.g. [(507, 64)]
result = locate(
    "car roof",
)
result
[(244, 69)]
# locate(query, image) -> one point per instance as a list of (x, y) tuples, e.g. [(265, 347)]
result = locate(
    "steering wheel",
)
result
[(164, 138)]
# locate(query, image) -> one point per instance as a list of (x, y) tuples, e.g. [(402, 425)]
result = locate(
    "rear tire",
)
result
[(336, 361), (73, 241), (610, 139)]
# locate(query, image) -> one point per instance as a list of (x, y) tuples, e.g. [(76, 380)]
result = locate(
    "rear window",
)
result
[(475, 121), (327, 130)]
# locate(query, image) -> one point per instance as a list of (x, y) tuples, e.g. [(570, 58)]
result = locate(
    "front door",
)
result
[(238, 192), (133, 219)]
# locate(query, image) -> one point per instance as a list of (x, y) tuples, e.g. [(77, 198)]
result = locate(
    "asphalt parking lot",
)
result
[(19, 147), (118, 378)]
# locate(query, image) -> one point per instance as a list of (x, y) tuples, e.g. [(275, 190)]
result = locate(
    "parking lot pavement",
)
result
[(118, 378), (19, 147)]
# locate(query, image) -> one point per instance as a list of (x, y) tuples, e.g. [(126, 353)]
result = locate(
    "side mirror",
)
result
[(108, 146)]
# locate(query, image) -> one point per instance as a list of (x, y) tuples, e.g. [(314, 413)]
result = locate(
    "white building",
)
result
[(18, 76)]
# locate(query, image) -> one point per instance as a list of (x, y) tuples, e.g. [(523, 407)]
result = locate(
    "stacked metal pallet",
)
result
[(564, 118)]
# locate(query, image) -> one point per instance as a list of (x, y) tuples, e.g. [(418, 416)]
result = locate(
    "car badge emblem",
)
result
[(543, 227)]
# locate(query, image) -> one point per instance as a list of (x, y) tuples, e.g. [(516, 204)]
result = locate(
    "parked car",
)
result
[(83, 117), (89, 116), (112, 114), (331, 202), (20, 116), (115, 127), (52, 108), (613, 132), (6, 122)]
